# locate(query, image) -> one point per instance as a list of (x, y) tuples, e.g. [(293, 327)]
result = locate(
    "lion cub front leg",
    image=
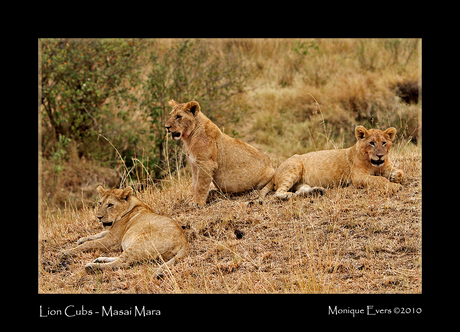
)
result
[(194, 173), (393, 174), (92, 237), (286, 179), (104, 242), (204, 177), (378, 182)]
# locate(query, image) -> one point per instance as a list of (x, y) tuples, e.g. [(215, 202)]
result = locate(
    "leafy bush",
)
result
[(79, 77)]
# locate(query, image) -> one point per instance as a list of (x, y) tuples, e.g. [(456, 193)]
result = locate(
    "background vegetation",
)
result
[(104, 102)]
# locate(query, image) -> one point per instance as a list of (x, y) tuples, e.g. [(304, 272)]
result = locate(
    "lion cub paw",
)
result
[(82, 240), (104, 259), (306, 190), (284, 195), (396, 176)]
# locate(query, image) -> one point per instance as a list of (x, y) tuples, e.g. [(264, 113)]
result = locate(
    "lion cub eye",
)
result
[(109, 205), (178, 117), (383, 143), (372, 143)]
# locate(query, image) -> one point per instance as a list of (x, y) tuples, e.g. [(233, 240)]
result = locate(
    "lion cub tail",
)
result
[(265, 190)]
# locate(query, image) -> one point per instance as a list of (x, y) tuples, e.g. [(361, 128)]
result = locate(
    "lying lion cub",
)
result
[(233, 166), (364, 164), (132, 225)]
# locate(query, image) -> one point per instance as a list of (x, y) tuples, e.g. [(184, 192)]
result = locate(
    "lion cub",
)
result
[(132, 226), (364, 164), (233, 166)]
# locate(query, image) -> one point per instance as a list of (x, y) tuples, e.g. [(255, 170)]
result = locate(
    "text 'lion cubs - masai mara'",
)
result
[(364, 164), (233, 166), (132, 226)]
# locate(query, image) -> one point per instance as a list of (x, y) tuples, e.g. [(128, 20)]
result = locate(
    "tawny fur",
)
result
[(232, 165), (365, 164), (132, 226)]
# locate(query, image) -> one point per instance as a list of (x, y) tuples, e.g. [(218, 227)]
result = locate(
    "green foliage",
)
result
[(60, 152), (78, 79)]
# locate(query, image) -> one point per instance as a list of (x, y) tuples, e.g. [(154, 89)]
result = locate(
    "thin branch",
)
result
[(95, 122)]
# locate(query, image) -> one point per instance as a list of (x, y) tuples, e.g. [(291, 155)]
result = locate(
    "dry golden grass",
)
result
[(347, 241)]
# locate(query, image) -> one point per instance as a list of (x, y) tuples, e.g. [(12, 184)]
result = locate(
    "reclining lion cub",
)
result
[(364, 164), (233, 166), (132, 225)]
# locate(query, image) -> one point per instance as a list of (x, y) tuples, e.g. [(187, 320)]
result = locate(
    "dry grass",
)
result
[(347, 241), (355, 81)]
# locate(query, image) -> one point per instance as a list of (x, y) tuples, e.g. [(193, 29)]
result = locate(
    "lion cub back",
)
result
[(241, 166), (326, 168), (149, 230)]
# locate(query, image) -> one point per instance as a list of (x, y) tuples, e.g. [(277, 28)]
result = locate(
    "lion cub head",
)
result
[(113, 205), (181, 121), (374, 144)]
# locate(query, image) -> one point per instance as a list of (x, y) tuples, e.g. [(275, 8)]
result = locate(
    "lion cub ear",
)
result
[(390, 133), (100, 190), (126, 193), (361, 132), (172, 102), (193, 107)]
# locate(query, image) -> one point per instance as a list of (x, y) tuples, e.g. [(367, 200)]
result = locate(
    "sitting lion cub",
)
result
[(131, 225), (364, 164), (233, 166)]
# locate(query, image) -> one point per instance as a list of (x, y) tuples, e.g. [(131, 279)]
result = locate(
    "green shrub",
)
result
[(81, 79)]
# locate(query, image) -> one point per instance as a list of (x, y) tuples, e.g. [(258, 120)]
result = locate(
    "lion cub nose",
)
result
[(167, 127), (100, 218), (380, 155)]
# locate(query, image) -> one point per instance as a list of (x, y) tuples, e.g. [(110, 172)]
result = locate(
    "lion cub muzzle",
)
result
[(174, 135), (377, 162), (105, 223)]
